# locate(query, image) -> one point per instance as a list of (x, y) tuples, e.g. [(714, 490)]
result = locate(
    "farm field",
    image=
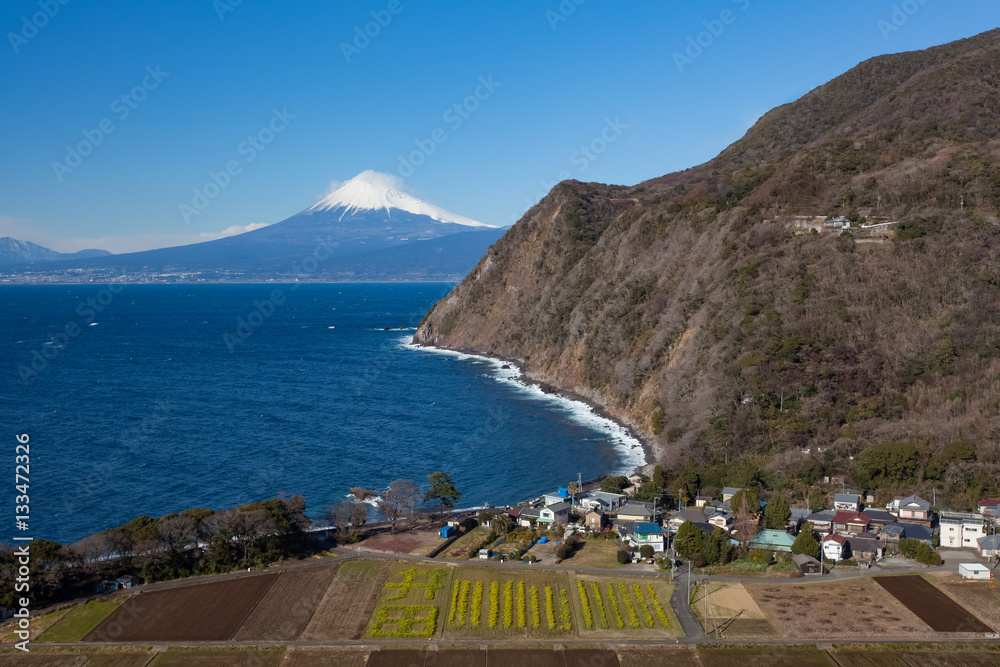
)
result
[(624, 607), (39, 624), (657, 656), (325, 657), (79, 621), (982, 597), (398, 658), (411, 602), (764, 656), (417, 542), (199, 612), (345, 607), (219, 657), (875, 656), (596, 553), (498, 603), (109, 658), (284, 611), (855, 609), (459, 549), (732, 612), (935, 608)]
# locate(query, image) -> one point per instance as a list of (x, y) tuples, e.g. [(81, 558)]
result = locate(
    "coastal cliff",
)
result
[(711, 310)]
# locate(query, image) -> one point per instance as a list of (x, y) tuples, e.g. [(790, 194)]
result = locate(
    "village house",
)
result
[(854, 523), (701, 501), (961, 529), (550, 514), (914, 531), (834, 547), (822, 521), (989, 507), (878, 518), (847, 501), (683, 516), (723, 520), (807, 564), (644, 533), (528, 516), (594, 520), (912, 509), (989, 546), (634, 510), (865, 546), (772, 540), (561, 495), (798, 517), (728, 493), (601, 500)]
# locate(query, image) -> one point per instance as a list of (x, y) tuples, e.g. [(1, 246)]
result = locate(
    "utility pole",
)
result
[(962, 204), (704, 583)]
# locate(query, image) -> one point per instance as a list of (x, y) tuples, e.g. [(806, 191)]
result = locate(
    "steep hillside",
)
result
[(684, 308)]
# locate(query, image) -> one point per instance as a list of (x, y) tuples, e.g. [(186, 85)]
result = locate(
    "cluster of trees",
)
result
[(402, 498), (703, 548), (195, 541), (918, 551)]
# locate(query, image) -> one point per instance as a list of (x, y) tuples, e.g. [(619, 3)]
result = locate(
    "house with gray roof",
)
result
[(552, 513), (847, 501)]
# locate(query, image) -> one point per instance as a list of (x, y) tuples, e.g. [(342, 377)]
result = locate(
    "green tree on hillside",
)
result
[(776, 513), (442, 490), (688, 540), (805, 542), (615, 484), (745, 498)]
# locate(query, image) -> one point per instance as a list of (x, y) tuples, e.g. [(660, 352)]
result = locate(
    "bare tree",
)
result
[(242, 529), (401, 496), (358, 517), (340, 515), (94, 553), (745, 525)]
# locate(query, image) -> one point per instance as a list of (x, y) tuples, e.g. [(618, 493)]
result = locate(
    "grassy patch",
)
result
[(79, 621)]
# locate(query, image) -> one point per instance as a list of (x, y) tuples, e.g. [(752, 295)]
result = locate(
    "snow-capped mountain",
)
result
[(366, 229), (373, 191)]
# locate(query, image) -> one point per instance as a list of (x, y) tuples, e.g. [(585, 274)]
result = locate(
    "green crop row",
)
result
[(520, 605), (600, 603), (550, 605), (646, 616), (477, 603), (454, 603), (463, 603), (657, 606), (508, 603), (614, 605), (406, 621), (494, 603), (567, 614), (633, 619), (588, 615), (536, 619)]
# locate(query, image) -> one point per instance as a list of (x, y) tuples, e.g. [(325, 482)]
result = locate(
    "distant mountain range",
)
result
[(367, 230), (13, 251)]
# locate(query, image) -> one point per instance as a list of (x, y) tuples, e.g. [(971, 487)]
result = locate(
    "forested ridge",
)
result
[(688, 308)]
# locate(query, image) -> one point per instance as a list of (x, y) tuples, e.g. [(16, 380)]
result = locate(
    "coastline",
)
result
[(637, 450)]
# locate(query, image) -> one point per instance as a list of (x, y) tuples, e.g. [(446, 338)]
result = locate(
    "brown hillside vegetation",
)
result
[(681, 305)]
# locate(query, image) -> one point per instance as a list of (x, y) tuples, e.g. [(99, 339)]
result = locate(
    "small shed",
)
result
[(447, 531), (484, 554), (807, 564), (974, 571)]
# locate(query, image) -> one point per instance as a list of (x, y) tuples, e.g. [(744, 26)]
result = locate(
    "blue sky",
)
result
[(164, 93)]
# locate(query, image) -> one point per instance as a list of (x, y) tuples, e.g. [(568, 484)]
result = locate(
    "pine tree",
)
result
[(806, 542)]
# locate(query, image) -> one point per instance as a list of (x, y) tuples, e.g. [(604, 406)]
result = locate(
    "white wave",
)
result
[(630, 448), (370, 500)]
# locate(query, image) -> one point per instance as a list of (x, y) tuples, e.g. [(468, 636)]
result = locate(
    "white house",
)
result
[(989, 546), (601, 500), (911, 508), (847, 501), (834, 547), (644, 533), (961, 529), (552, 513)]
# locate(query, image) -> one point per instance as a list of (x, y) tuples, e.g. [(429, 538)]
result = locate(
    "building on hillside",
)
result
[(961, 529), (561, 495), (912, 509), (865, 547), (728, 493), (529, 516), (701, 501), (878, 519), (914, 531), (798, 517), (723, 520), (989, 546), (595, 520), (679, 518), (847, 501), (807, 564), (834, 547), (634, 510), (855, 523), (550, 514), (772, 540), (822, 521), (643, 533), (989, 507), (601, 500)]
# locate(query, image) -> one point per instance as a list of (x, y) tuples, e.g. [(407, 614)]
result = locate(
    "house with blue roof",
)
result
[(772, 540), (646, 532)]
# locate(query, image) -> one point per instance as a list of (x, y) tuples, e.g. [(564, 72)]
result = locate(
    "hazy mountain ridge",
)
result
[(683, 308), (13, 251)]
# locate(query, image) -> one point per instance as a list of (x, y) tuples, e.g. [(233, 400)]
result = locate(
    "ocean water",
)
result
[(150, 399)]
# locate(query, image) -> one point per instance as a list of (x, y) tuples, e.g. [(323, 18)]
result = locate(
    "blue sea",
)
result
[(151, 399)]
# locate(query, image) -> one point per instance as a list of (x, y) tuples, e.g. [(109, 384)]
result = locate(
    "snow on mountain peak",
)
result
[(372, 190)]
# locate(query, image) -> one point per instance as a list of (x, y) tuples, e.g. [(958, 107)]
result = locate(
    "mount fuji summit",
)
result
[(365, 230)]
